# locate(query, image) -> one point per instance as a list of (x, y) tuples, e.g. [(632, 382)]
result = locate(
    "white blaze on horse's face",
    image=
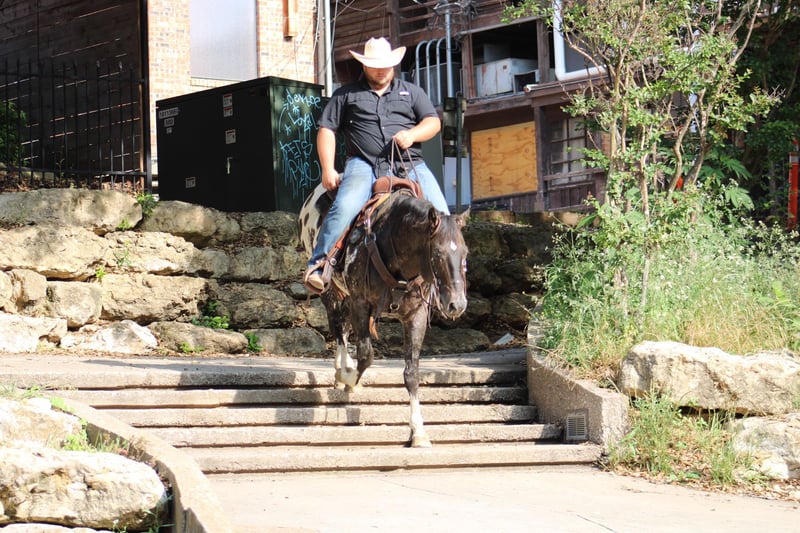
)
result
[(450, 270)]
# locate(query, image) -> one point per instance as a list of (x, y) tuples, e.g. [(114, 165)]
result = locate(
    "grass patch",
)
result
[(674, 446)]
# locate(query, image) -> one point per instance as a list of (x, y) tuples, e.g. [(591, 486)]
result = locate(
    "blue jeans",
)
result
[(354, 191)]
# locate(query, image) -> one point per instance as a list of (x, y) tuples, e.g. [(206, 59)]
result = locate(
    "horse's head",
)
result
[(449, 262)]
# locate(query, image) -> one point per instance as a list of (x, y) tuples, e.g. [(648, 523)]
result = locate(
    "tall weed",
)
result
[(687, 274)]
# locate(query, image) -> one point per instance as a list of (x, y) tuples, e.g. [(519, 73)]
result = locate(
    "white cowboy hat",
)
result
[(378, 53)]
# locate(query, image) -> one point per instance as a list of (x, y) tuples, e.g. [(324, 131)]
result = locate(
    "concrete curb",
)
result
[(557, 396), (195, 506)]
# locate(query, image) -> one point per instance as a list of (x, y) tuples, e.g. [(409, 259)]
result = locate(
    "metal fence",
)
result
[(72, 126)]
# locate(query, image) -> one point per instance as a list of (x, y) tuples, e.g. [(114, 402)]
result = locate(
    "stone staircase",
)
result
[(283, 415)]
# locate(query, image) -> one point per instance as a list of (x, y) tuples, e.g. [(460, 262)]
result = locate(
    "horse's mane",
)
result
[(417, 212)]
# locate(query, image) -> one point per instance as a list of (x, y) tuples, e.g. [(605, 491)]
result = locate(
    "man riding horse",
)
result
[(377, 115)]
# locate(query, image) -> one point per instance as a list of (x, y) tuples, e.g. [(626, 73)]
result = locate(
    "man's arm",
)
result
[(426, 129), (326, 150)]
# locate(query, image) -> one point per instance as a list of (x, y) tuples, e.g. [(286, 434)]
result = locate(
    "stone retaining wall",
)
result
[(85, 270)]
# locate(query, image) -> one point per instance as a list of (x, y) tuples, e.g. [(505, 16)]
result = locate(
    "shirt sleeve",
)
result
[(332, 114), (423, 107)]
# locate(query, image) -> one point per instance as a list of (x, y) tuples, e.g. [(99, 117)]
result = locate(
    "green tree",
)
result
[(661, 111), (773, 57)]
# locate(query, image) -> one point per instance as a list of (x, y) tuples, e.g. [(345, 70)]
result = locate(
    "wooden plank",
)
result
[(504, 161)]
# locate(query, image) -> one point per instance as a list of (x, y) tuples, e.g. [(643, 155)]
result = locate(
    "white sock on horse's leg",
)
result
[(345, 365), (419, 437)]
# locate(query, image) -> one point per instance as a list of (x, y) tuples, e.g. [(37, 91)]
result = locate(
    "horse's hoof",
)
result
[(338, 385), (354, 388), (347, 376), (420, 441)]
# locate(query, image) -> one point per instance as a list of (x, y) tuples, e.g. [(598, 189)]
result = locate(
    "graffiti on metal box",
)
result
[(297, 130)]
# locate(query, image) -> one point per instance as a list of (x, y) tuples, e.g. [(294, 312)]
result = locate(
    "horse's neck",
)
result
[(410, 246)]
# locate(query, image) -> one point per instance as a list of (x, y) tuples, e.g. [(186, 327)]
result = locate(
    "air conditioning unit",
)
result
[(497, 77)]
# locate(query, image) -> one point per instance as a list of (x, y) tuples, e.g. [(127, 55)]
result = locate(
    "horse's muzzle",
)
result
[(452, 305)]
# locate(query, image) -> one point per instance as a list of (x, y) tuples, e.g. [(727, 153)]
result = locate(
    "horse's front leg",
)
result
[(362, 318), (345, 374), (414, 328)]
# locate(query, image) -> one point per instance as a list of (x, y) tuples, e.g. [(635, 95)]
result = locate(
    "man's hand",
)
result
[(404, 139), (331, 179), (424, 131)]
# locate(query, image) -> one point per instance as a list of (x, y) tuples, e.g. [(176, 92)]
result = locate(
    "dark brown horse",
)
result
[(405, 260)]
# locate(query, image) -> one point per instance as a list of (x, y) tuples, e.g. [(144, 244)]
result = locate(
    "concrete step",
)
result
[(506, 368), (319, 458), (325, 416), (261, 414), (202, 437), (215, 397)]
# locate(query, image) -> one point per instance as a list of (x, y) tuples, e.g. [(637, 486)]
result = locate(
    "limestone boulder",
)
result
[(78, 303), (709, 378), (437, 341), (254, 306), (97, 211), (25, 334), (183, 337), (202, 226), (773, 443), (163, 254), (267, 264), (315, 315), (28, 291), (271, 228), (514, 309), (33, 421), (56, 252), (146, 298), (78, 489), (294, 341), (123, 337), (49, 528), (6, 293)]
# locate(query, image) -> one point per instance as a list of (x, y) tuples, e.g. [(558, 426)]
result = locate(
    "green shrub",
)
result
[(11, 122)]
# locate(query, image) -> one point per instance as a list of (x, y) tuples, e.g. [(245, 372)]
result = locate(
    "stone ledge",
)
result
[(556, 394), (195, 507)]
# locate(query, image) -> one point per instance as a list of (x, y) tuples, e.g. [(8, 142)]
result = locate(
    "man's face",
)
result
[(379, 77)]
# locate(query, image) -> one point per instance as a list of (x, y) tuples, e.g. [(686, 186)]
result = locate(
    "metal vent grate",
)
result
[(576, 425)]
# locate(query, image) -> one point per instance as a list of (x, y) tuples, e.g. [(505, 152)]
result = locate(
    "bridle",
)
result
[(404, 285)]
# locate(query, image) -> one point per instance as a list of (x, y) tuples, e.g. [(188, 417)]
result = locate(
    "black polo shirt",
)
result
[(369, 121)]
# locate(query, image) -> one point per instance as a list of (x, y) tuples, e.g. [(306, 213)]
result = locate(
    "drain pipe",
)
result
[(428, 66), (559, 52), (417, 78), (439, 71)]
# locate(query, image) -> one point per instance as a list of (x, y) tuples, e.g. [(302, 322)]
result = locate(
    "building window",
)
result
[(223, 37), (568, 140)]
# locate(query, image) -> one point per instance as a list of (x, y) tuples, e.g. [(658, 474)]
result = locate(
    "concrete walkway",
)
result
[(537, 499), (486, 500)]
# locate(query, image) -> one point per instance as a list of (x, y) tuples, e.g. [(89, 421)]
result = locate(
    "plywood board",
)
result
[(504, 161)]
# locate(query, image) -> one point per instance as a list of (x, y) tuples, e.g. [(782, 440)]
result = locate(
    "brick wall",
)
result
[(279, 55)]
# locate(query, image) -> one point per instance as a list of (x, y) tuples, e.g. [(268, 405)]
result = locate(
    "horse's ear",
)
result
[(462, 218), (434, 219)]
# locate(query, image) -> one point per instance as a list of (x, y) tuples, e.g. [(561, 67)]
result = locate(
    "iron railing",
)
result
[(72, 126)]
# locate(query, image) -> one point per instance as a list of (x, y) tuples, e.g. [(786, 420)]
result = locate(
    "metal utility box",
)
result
[(250, 146), (497, 77)]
